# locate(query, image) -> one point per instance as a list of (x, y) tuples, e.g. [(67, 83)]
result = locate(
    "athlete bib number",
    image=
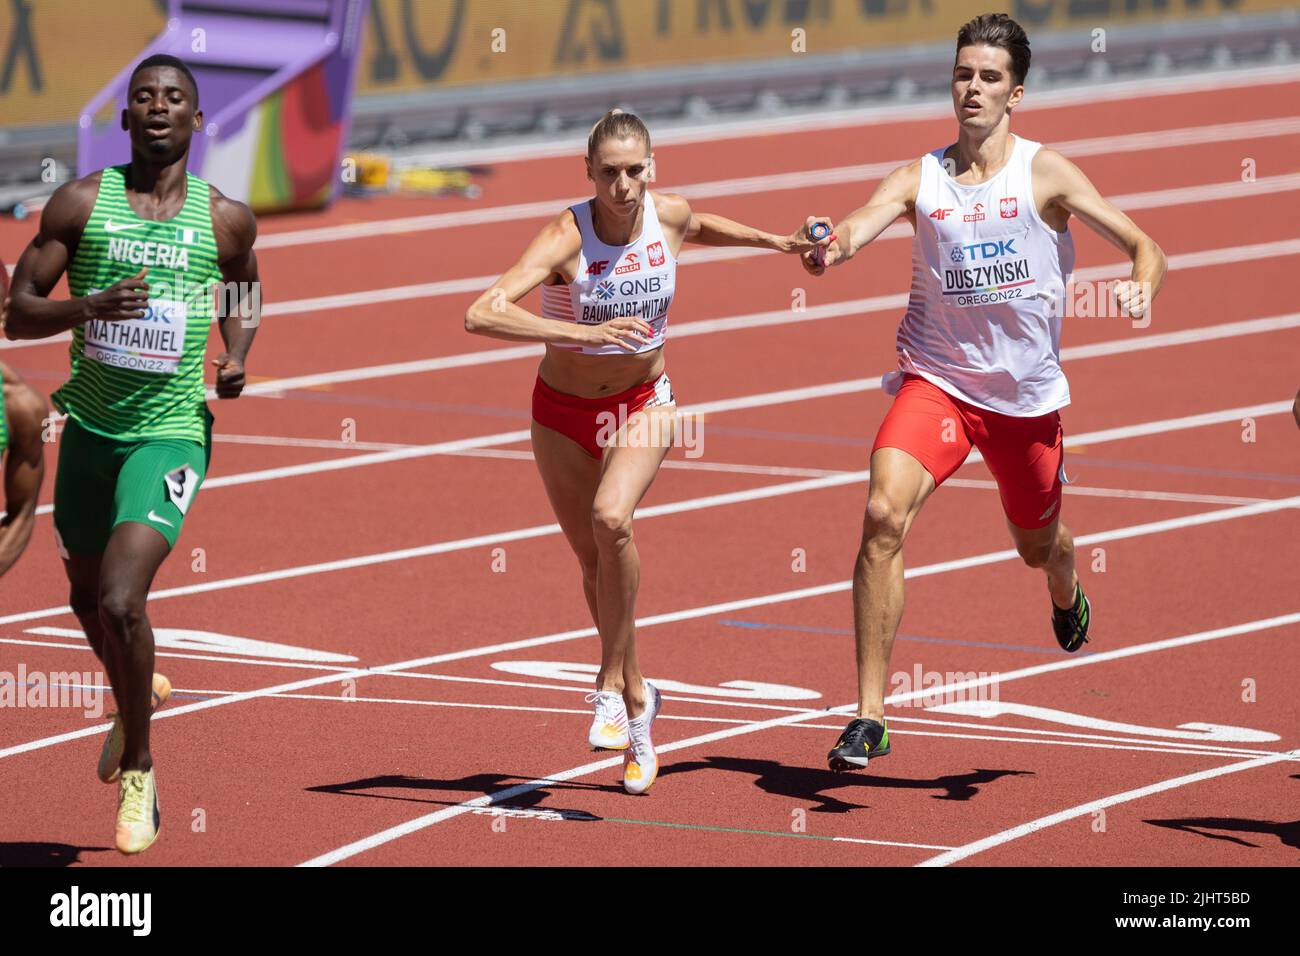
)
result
[(152, 344), (987, 270), (181, 486)]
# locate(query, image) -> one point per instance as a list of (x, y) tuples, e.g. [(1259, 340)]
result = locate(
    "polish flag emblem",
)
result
[(1007, 208)]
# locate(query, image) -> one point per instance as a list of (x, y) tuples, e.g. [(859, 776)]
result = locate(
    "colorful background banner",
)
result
[(447, 43), (57, 53)]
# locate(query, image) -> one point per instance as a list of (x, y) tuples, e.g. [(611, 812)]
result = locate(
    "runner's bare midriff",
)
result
[(593, 376)]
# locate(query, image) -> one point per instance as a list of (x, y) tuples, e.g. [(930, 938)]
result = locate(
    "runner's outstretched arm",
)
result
[(895, 195), (1067, 187), (708, 229)]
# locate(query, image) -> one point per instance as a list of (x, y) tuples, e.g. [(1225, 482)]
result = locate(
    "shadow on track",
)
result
[(1287, 832), (809, 783), (44, 854), (476, 785)]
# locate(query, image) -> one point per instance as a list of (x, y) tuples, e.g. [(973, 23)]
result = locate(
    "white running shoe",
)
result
[(609, 726), (641, 764)]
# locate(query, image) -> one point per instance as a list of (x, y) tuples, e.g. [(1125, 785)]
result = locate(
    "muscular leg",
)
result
[(134, 553), (570, 477), (899, 486), (627, 471), (1052, 549), (83, 576), (83, 504)]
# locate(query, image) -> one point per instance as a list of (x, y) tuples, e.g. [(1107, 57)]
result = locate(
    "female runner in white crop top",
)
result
[(603, 411)]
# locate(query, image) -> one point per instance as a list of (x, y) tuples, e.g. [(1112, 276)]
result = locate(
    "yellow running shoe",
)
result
[(115, 742), (137, 811)]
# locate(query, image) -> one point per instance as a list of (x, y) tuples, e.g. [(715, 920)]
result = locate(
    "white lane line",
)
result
[(335, 444), (704, 503), (816, 313), (254, 661), (1105, 741), (1181, 746), (1129, 202), (1176, 424), (1183, 751), (276, 388), (907, 846), (951, 727), (737, 468), (473, 285), (475, 444), (715, 129), (352, 461), (500, 796), (1149, 743), (1132, 494), (785, 471), (420, 823), (858, 174), (1207, 192), (1099, 743), (1203, 258), (1042, 823), (764, 399), (741, 469), (1138, 743), (1226, 750), (1154, 199), (692, 613), (1185, 195), (677, 464)]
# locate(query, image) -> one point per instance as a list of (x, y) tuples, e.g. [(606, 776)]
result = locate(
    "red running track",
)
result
[(410, 704)]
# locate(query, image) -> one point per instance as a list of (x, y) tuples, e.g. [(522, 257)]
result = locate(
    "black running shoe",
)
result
[(861, 741), (1071, 626)]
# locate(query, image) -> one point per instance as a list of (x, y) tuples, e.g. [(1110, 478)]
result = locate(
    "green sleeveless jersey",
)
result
[(143, 378)]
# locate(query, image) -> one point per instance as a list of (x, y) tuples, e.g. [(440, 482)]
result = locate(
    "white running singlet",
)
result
[(613, 281), (988, 276)]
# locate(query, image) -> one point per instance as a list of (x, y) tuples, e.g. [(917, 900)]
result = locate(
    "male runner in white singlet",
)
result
[(978, 348)]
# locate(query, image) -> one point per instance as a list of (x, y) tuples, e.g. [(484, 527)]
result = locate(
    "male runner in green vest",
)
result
[(22, 419), (147, 248)]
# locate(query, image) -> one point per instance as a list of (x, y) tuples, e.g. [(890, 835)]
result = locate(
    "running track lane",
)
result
[(233, 712)]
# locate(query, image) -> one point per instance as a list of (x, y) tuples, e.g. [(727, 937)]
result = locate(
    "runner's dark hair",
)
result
[(999, 30), (165, 59)]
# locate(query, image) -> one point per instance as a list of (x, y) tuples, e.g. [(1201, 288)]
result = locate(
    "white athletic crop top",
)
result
[(612, 281), (988, 278)]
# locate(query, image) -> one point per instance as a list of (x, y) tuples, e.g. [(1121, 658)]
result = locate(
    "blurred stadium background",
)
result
[(291, 87)]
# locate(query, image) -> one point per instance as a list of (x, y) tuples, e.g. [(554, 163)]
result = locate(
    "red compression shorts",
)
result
[(1024, 454), (587, 420)]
